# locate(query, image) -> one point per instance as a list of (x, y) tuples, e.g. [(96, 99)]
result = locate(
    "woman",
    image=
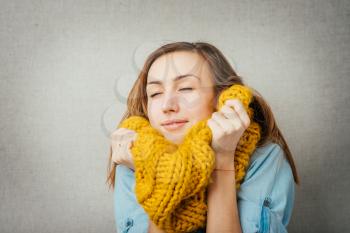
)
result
[(178, 86)]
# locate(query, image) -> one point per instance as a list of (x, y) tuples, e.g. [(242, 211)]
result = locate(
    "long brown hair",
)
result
[(224, 77)]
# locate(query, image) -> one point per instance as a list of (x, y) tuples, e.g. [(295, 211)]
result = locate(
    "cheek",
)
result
[(191, 101), (201, 108), (153, 109)]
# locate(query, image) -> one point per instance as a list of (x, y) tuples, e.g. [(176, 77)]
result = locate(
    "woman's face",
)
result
[(179, 88)]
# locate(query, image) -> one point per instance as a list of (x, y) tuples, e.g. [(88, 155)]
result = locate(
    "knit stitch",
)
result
[(171, 180)]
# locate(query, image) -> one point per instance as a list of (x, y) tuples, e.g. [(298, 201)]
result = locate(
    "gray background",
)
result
[(67, 67)]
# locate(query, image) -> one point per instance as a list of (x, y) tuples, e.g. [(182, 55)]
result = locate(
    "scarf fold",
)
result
[(171, 180)]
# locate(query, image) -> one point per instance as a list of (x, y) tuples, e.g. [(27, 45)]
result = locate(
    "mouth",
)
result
[(174, 125)]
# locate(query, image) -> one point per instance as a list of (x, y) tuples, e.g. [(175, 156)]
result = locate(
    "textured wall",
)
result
[(67, 66)]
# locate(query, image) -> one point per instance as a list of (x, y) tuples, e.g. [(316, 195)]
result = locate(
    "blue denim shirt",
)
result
[(265, 199)]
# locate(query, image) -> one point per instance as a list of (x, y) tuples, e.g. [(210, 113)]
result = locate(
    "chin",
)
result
[(176, 139)]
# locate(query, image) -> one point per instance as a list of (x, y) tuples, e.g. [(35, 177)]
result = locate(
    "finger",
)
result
[(225, 124), (131, 134), (130, 144), (216, 129), (121, 152), (117, 142), (246, 120), (124, 134), (228, 112), (236, 104), (117, 150), (213, 125), (233, 117), (115, 157), (118, 132), (134, 137), (239, 109), (128, 132)]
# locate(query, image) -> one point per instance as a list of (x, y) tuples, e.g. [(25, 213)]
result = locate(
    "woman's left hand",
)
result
[(227, 126)]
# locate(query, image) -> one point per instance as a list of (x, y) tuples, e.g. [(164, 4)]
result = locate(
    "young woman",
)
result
[(178, 86)]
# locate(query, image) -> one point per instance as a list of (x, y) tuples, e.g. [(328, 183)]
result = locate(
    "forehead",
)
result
[(171, 65)]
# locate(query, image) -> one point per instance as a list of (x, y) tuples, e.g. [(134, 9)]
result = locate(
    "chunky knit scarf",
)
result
[(171, 180)]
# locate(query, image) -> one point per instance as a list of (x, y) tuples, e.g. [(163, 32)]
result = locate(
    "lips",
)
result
[(178, 121), (173, 125)]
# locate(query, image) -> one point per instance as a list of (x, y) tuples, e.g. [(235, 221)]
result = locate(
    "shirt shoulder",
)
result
[(270, 157), (266, 195)]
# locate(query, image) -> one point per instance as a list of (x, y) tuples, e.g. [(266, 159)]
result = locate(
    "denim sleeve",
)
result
[(130, 217), (266, 196)]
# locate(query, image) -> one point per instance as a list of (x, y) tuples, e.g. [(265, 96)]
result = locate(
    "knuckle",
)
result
[(239, 109), (115, 135), (236, 127), (225, 108), (233, 102), (229, 102)]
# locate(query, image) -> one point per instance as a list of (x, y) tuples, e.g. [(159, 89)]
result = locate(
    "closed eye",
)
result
[(187, 88), (154, 95), (182, 89)]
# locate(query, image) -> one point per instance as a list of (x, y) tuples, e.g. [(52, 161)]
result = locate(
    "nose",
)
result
[(170, 103)]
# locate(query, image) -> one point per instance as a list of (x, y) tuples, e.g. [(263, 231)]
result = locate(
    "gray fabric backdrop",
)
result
[(67, 67)]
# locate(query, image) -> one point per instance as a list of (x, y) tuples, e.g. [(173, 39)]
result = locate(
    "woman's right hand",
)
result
[(121, 142)]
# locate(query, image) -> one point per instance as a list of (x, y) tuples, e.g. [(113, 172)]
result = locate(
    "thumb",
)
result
[(130, 144)]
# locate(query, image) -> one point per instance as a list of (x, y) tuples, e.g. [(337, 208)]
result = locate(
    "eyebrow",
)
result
[(176, 79)]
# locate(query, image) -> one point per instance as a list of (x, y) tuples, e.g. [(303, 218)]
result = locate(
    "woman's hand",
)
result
[(227, 126), (121, 141)]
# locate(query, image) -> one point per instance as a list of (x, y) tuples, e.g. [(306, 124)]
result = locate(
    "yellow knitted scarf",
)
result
[(171, 180)]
